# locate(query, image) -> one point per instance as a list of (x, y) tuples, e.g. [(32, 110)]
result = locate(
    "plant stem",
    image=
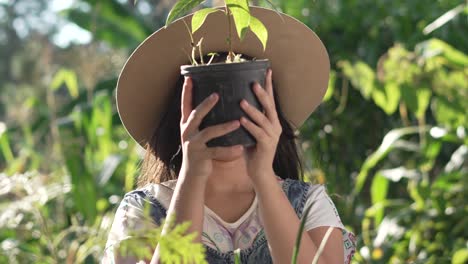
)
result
[(230, 56), (193, 61)]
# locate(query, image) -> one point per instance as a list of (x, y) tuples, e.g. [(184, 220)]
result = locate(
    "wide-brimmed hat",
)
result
[(298, 59)]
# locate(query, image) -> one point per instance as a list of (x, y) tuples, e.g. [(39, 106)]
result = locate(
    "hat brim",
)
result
[(298, 59)]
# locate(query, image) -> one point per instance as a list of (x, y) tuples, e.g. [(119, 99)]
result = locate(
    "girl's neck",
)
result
[(229, 177)]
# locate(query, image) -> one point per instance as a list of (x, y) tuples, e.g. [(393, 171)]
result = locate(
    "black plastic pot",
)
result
[(233, 82)]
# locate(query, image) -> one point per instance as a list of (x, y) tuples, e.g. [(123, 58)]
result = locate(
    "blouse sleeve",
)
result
[(131, 216), (324, 213)]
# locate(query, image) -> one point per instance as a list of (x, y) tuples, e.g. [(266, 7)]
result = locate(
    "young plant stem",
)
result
[(193, 61), (199, 45), (230, 57)]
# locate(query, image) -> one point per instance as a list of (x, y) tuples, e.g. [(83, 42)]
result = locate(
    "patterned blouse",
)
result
[(219, 237)]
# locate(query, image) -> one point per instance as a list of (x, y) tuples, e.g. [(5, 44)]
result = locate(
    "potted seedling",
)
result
[(233, 77)]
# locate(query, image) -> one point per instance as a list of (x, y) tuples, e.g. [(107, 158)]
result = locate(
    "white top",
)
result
[(224, 236)]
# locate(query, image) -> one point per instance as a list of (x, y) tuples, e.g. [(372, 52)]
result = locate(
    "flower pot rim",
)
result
[(226, 67)]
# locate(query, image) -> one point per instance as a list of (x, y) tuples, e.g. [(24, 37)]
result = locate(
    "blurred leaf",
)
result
[(414, 190), (447, 180), (108, 168), (417, 99), (300, 232), (387, 97), (199, 17), (396, 174), (68, 78), (392, 92), (458, 159), (387, 144), (259, 29), (438, 47), (443, 19), (331, 86), (362, 76), (460, 256), (241, 14), (181, 8), (7, 153), (237, 258), (450, 112), (83, 185), (424, 97), (379, 189), (112, 22)]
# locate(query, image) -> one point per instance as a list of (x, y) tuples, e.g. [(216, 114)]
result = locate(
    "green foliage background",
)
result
[(390, 141)]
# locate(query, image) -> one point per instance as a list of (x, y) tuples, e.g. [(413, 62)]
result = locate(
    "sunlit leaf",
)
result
[(331, 86), (199, 17), (68, 78), (450, 112), (379, 189), (108, 168), (437, 47), (117, 25), (443, 19), (259, 29), (361, 75), (424, 97), (5, 147), (181, 8), (237, 259), (241, 14), (297, 245), (460, 256), (388, 143), (392, 93)]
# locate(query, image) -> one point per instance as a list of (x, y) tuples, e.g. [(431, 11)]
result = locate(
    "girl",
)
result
[(247, 198)]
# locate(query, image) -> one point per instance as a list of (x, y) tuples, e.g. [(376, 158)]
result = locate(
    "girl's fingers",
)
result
[(266, 100), (218, 130), (186, 104), (269, 85), (196, 116), (255, 130), (257, 116)]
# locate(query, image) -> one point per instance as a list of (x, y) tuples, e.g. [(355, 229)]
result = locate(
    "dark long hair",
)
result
[(163, 158)]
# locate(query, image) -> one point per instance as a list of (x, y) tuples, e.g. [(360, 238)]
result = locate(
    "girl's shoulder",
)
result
[(160, 192)]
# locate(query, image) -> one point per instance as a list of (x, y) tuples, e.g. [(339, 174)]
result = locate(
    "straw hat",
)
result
[(298, 59)]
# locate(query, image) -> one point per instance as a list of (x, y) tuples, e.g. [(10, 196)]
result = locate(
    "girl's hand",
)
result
[(266, 130), (197, 157)]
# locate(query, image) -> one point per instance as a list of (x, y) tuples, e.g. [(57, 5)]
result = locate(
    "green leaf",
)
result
[(299, 234), (331, 86), (423, 95), (417, 99), (379, 190), (361, 75), (5, 148), (450, 112), (393, 95), (67, 77), (237, 256), (387, 97), (437, 47), (460, 256), (388, 143), (199, 17), (181, 8), (241, 14), (259, 29), (117, 24)]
